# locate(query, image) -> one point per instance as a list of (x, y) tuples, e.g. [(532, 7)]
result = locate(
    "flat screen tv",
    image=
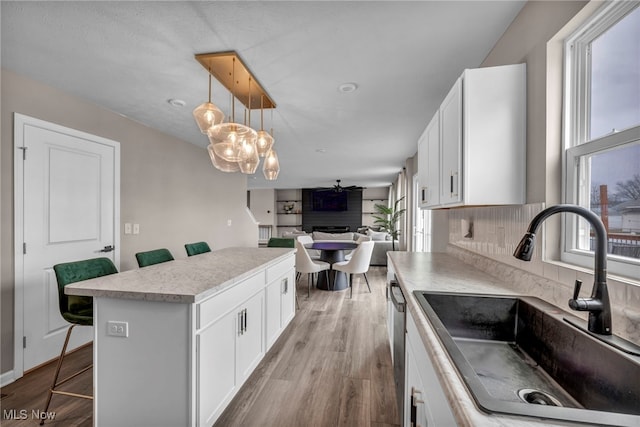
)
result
[(329, 200)]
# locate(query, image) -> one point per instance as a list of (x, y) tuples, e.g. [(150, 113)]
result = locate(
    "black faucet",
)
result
[(598, 304)]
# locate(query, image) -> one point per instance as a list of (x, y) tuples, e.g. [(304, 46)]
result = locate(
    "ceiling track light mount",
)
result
[(221, 66)]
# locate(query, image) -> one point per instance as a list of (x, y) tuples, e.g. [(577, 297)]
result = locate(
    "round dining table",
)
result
[(332, 252)]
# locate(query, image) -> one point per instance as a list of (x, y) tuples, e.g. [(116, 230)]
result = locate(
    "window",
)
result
[(602, 135)]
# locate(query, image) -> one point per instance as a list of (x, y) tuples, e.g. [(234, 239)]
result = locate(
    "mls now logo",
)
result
[(23, 414)]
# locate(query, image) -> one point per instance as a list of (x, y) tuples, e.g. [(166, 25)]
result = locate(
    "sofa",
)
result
[(382, 242)]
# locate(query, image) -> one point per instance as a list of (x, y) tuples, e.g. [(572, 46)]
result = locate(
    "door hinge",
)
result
[(24, 342), (24, 152), (24, 248)]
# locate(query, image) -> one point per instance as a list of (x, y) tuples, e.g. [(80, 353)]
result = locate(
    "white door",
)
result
[(67, 209)]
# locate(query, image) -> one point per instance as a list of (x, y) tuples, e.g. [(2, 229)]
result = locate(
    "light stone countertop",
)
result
[(186, 280), (442, 272)]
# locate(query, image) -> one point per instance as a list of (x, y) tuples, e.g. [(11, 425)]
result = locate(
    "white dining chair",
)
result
[(305, 239), (358, 264), (304, 264), (359, 240)]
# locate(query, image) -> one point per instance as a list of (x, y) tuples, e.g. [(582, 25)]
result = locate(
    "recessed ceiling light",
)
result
[(176, 102), (347, 87)]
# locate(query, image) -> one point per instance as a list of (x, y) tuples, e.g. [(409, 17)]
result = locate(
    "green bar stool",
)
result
[(77, 310), (155, 256), (197, 248)]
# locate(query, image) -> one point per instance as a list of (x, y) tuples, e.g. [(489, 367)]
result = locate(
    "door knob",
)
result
[(107, 248)]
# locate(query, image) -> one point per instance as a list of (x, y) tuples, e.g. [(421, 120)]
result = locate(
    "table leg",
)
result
[(337, 279)]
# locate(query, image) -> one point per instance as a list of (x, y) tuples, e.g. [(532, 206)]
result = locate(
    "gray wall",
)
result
[(529, 39), (168, 186), (526, 40)]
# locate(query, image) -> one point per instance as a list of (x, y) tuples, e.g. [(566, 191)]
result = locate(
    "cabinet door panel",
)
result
[(273, 309), (429, 164), (250, 342), (288, 292), (451, 137), (433, 162), (414, 390), (432, 406), (215, 362)]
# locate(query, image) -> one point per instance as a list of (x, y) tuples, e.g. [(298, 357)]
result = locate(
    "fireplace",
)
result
[(331, 228)]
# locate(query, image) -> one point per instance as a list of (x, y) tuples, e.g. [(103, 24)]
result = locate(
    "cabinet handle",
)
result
[(451, 183), (240, 323), (285, 282), (452, 175), (414, 406), (245, 320)]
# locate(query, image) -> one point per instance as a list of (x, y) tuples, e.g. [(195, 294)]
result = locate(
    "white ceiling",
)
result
[(131, 57)]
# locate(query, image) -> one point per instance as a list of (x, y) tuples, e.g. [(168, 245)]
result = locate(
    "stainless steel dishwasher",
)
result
[(399, 329)]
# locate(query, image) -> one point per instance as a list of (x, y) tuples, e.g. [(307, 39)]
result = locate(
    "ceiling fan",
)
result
[(339, 188)]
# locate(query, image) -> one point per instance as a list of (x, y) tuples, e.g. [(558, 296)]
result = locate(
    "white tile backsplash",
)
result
[(496, 233)]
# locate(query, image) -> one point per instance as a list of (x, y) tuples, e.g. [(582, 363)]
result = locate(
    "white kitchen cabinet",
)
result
[(451, 146), (280, 295), (481, 140), (229, 344), (250, 338), (215, 350), (273, 298), (288, 307), (425, 402), (429, 164)]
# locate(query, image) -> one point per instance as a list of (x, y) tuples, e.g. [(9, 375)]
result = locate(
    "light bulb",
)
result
[(264, 143), (233, 137), (207, 116)]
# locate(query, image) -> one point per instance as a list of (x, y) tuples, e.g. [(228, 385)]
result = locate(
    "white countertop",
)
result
[(442, 272), (186, 280)]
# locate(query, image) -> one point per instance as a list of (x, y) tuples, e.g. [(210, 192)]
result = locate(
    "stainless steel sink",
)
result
[(520, 355)]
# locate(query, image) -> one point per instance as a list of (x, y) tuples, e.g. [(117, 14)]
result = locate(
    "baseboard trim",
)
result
[(6, 378)]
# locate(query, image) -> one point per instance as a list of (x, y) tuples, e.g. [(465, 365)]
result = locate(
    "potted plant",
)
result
[(388, 218)]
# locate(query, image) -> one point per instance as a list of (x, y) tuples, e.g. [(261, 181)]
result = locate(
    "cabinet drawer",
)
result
[(280, 269), (216, 306)]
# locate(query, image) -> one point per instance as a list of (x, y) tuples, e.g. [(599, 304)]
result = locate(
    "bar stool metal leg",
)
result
[(55, 382)]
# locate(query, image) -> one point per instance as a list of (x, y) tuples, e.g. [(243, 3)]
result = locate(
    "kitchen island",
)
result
[(444, 398), (174, 342)]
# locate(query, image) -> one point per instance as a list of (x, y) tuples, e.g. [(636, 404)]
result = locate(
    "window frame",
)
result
[(576, 124)]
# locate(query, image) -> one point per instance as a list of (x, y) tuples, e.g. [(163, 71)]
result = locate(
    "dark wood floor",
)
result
[(29, 394), (331, 366)]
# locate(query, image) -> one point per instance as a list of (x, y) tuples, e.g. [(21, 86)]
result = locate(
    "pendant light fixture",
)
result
[(264, 141), (249, 163), (207, 114), (233, 146), (271, 165), (221, 164), (228, 138)]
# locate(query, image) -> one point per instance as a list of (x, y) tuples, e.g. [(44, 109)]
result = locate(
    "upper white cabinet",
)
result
[(429, 156), (480, 140)]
